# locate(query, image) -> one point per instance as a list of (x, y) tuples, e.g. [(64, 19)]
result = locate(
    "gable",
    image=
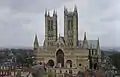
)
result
[(91, 43)]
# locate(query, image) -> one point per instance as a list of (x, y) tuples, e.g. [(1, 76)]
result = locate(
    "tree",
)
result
[(115, 60), (51, 74)]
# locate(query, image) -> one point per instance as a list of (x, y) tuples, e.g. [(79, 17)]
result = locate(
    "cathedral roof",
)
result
[(92, 43)]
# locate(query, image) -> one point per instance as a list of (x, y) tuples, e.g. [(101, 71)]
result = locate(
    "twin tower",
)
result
[(70, 28)]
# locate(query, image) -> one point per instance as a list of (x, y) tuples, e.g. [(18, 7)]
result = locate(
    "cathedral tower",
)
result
[(50, 28), (71, 27)]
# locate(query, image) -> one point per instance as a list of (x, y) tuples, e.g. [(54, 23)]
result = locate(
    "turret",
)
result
[(98, 43), (98, 50), (36, 44), (65, 10), (75, 9), (85, 38), (46, 12), (54, 13), (85, 43)]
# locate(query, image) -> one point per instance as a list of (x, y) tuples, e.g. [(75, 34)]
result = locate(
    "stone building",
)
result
[(66, 53)]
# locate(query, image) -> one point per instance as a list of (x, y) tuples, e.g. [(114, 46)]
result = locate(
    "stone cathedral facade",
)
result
[(66, 53)]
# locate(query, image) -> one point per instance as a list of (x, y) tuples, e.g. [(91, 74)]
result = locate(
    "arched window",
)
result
[(70, 62), (50, 63)]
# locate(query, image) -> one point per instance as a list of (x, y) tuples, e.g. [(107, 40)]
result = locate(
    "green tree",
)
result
[(51, 74), (116, 60)]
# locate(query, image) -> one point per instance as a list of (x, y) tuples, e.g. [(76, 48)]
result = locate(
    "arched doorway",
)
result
[(95, 66), (60, 57), (70, 62), (50, 63)]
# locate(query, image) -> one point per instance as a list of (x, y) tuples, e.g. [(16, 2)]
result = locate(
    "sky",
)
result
[(20, 20)]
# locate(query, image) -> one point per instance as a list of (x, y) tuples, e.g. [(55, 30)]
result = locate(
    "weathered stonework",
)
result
[(66, 53)]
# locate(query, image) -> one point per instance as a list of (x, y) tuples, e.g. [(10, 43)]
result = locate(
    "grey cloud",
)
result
[(21, 19), (35, 6), (109, 19), (91, 16)]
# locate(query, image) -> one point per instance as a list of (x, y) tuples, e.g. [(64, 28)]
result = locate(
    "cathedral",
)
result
[(66, 53)]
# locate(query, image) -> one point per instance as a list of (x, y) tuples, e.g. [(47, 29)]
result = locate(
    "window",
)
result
[(79, 64), (48, 22), (48, 28), (96, 52), (60, 71), (51, 25), (70, 71), (71, 24), (68, 24), (51, 22), (92, 52), (66, 71), (72, 43)]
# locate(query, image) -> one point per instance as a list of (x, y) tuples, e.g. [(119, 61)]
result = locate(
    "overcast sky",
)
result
[(21, 19)]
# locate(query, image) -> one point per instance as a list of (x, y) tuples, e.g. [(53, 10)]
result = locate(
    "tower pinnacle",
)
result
[(85, 38), (98, 45), (65, 10), (85, 43), (75, 8), (36, 44), (54, 13), (48, 13), (45, 12)]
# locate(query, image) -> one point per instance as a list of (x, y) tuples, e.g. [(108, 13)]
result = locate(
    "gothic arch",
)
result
[(50, 63), (95, 66), (70, 62), (60, 57)]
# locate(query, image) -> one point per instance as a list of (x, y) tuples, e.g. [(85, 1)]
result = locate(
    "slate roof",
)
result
[(92, 43)]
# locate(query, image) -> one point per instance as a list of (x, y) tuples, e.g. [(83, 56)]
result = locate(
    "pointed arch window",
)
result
[(48, 25), (95, 52), (71, 24), (48, 28), (51, 25), (48, 22), (68, 24), (92, 52)]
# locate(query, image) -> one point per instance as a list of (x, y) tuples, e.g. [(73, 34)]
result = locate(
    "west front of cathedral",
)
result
[(66, 53)]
